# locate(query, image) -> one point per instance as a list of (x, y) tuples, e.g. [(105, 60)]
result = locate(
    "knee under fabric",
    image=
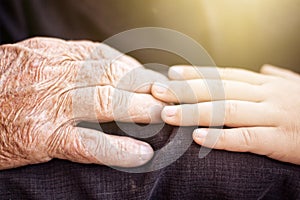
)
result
[(219, 175)]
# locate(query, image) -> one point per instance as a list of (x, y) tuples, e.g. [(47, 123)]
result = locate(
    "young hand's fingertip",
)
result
[(199, 135), (267, 67), (176, 73), (159, 88)]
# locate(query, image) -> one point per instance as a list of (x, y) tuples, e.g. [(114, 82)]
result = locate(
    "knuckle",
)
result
[(94, 51), (64, 143), (32, 42), (99, 149), (247, 139), (230, 111), (121, 148), (104, 100), (113, 71), (106, 52), (110, 71), (114, 151), (55, 141), (127, 78), (124, 107), (222, 140)]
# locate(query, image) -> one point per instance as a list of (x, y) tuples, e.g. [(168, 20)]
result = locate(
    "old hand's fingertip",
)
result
[(159, 89), (155, 113), (145, 154)]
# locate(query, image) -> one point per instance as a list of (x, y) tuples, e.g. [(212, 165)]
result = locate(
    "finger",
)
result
[(54, 47), (43, 43), (219, 113), (258, 140), (114, 73), (99, 51), (106, 103), (140, 80), (242, 75), (193, 91), (90, 146), (276, 71), (77, 50)]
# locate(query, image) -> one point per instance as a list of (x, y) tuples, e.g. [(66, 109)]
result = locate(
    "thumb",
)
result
[(84, 145), (276, 71)]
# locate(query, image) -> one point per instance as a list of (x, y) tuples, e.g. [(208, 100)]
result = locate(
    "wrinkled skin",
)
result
[(262, 109), (49, 85)]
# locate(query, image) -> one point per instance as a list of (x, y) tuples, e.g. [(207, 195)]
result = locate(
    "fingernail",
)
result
[(146, 152), (170, 111), (145, 149), (175, 72), (200, 133), (160, 88)]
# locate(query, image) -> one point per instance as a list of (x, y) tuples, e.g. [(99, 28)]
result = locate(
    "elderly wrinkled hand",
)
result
[(49, 85), (262, 109)]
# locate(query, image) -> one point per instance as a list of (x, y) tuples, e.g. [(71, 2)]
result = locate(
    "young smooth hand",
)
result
[(262, 109), (49, 85)]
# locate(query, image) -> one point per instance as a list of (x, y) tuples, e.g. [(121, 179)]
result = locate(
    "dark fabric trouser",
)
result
[(220, 175)]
